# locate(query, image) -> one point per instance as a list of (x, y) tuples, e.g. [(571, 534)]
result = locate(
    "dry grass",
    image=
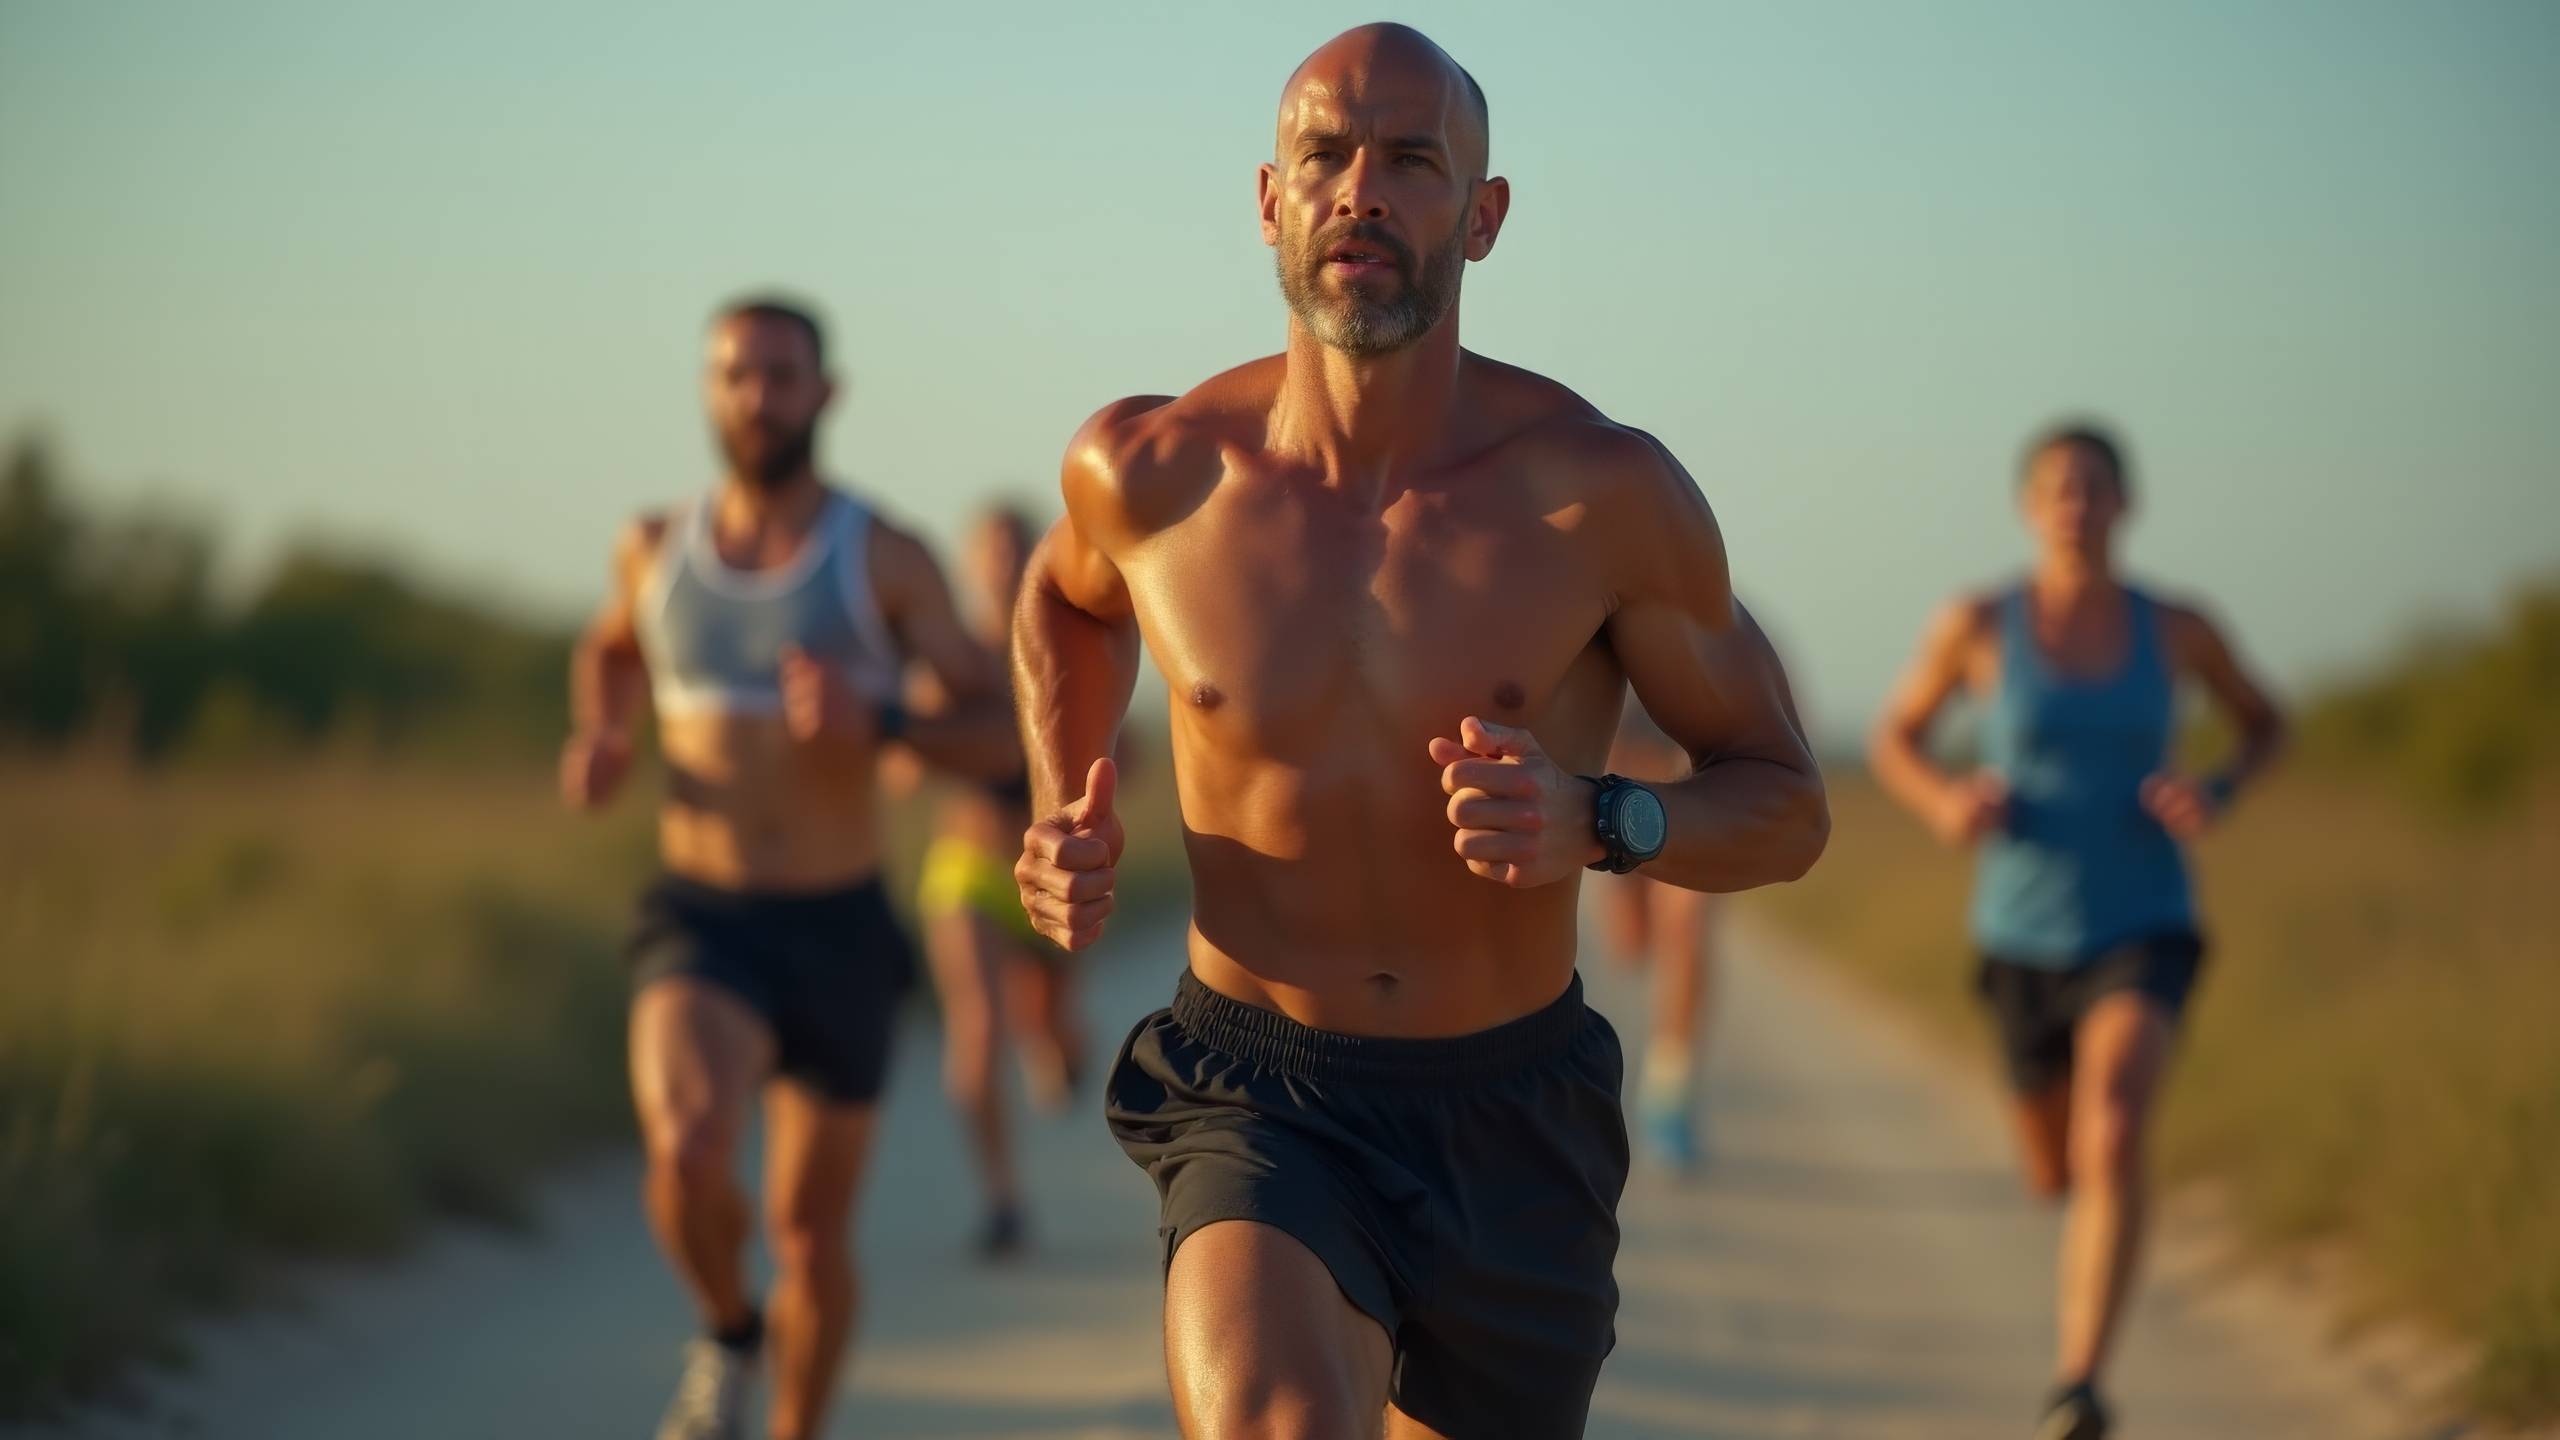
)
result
[(291, 1012), (302, 1011), (2371, 1058)]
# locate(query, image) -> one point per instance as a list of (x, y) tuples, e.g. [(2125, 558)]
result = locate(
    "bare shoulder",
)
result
[(637, 543), (1139, 463), (896, 552), (2186, 625), (1969, 618)]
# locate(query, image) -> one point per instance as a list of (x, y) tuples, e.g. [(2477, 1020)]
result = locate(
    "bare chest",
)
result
[(1286, 617)]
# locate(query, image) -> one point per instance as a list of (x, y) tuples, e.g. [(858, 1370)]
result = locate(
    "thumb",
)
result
[(1101, 784), (1484, 738), (1446, 752), (794, 658)]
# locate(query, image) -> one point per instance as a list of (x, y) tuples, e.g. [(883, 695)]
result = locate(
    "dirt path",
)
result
[(1857, 1263)]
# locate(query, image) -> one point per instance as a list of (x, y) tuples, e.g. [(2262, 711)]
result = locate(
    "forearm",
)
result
[(1905, 772), (2261, 742), (607, 684), (1742, 822), (973, 735), (1073, 673)]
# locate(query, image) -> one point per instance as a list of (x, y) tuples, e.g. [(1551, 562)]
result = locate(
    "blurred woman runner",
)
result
[(2081, 905), (996, 977), (1667, 931)]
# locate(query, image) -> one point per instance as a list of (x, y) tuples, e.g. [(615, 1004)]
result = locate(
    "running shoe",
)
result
[(2074, 1414), (711, 1399), (1005, 1234), (1670, 1131)]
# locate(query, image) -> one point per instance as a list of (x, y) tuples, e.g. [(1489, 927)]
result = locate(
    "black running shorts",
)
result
[(1463, 1192), (2038, 1007), (826, 970)]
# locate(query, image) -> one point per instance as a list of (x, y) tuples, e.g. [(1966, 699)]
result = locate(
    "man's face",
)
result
[(2072, 500), (765, 393), (1371, 201)]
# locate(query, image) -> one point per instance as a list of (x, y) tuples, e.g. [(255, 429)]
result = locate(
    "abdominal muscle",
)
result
[(1339, 901), (750, 808)]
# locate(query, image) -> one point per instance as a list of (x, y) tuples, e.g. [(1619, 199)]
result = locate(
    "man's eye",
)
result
[(1413, 160), (1315, 155)]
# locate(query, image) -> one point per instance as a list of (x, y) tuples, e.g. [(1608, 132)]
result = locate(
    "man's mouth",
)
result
[(1360, 260)]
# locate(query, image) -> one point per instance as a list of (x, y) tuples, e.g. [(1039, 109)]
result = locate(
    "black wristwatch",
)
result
[(1630, 822), (893, 720)]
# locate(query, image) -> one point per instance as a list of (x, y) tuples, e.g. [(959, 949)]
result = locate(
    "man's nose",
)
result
[(1360, 196)]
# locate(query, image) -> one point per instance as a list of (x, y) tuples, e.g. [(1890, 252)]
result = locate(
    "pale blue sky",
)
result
[(434, 275)]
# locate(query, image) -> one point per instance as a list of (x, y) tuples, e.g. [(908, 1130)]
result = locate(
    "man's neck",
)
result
[(747, 505), (1358, 418)]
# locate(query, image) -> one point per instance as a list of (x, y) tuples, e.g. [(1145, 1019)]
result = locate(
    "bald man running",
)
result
[(1398, 591)]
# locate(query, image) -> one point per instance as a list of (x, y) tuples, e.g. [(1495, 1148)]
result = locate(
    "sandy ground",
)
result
[(1858, 1261)]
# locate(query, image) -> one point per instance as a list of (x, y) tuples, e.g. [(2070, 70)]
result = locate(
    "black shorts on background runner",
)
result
[(825, 969), (2038, 1007), (1463, 1192)]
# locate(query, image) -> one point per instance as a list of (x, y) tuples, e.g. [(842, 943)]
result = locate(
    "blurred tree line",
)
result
[(2462, 718), (110, 631)]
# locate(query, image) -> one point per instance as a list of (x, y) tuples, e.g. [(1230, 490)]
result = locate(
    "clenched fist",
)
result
[(1070, 863), (1973, 807), (818, 703), (2185, 808), (592, 765), (1521, 821)]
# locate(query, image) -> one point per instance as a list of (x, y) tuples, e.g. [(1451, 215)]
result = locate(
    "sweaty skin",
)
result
[(775, 801), (1397, 597)]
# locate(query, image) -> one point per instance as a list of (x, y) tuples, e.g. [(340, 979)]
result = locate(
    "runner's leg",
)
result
[(697, 1055), (967, 954), (2044, 1138), (815, 1154), (1260, 1342), (2122, 1048), (1048, 1031)]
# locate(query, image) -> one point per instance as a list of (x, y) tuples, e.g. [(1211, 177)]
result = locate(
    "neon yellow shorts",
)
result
[(958, 876)]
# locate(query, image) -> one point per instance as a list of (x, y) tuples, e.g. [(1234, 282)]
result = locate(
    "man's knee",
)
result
[(697, 1148), (809, 1238)]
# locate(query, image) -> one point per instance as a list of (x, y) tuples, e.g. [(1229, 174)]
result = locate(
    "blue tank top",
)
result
[(2081, 866), (713, 635)]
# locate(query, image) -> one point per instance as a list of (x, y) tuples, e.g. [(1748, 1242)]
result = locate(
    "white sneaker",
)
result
[(711, 1399)]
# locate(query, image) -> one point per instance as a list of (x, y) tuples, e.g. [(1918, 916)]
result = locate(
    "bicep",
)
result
[(1709, 677), (928, 626), (1699, 664), (2209, 656), (615, 625), (1935, 674)]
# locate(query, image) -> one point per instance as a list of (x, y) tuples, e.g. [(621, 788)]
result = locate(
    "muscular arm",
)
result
[(969, 728), (1898, 751), (608, 678), (1752, 812), (1075, 635), (2202, 651)]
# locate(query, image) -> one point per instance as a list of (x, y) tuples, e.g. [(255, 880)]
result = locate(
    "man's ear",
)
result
[(1266, 185), (1485, 214)]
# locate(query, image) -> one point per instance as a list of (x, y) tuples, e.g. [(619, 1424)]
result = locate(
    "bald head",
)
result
[(1382, 69)]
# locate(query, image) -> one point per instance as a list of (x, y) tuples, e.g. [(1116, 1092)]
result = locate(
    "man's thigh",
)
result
[(698, 1053), (1260, 1341)]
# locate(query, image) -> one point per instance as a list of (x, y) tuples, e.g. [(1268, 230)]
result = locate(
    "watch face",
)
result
[(1641, 824)]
